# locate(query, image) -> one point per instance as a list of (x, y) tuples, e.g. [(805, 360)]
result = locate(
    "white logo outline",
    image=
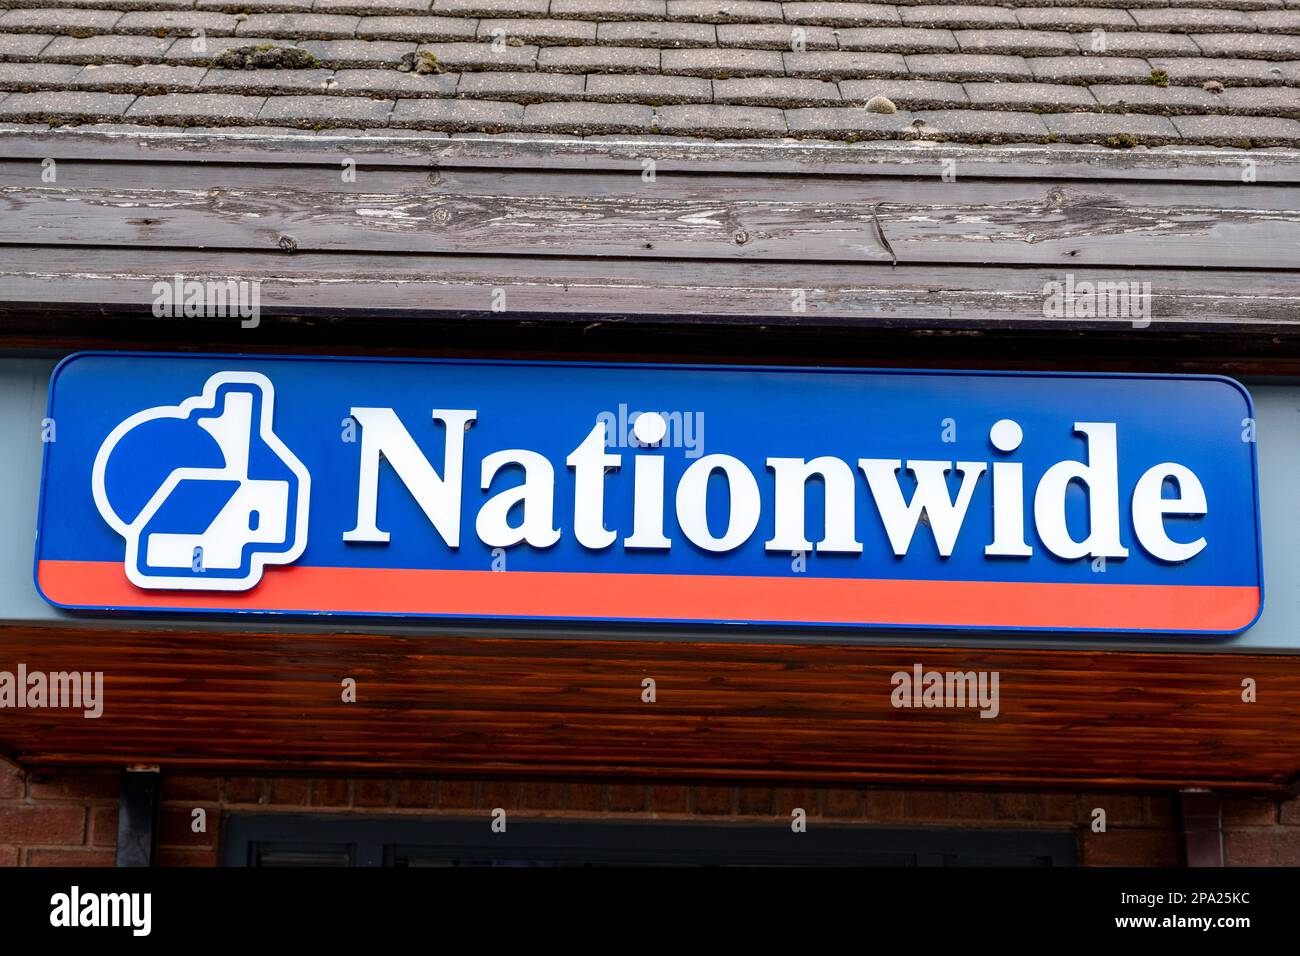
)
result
[(130, 531)]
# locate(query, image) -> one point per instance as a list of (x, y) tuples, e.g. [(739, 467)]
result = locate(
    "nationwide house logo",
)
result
[(237, 502)]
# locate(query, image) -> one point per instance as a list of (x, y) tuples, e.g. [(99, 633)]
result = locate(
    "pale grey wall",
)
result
[(23, 387)]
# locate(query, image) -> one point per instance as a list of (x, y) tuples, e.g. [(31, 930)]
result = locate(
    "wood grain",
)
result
[(679, 215), (419, 290), (562, 705), (399, 148)]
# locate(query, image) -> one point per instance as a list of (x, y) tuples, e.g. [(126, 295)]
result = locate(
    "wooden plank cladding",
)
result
[(552, 704), (678, 215), (398, 148), (454, 287), (808, 238)]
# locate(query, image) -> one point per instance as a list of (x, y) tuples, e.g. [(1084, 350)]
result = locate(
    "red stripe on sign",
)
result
[(680, 597)]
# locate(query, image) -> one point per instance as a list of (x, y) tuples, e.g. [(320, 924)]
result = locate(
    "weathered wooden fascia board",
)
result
[(905, 159), (684, 215), (88, 287)]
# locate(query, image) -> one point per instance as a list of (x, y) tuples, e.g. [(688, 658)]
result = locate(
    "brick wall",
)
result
[(70, 818), (67, 819)]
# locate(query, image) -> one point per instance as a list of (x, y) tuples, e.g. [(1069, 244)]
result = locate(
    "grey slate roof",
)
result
[(1142, 72)]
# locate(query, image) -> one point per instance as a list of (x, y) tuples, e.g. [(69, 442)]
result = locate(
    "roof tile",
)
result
[(778, 36), (842, 14), (843, 65), (596, 59), (1250, 131), (1016, 42), (222, 109), (587, 119), (986, 126), (421, 29), (1137, 97), (1090, 69), (390, 83), (1115, 129), (845, 123), (958, 16), (725, 11), (651, 89), (721, 120), (656, 34), (325, 111), (486, 115), (969, 66), (1108, 71), (530, 87), (722, 63), (776, 91), (1138, 43), (906, 94), (1029, 96), (609, 9), (65, 105), (898, 40)]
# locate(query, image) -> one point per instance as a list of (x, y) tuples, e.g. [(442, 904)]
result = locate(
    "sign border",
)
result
[(549, 621)]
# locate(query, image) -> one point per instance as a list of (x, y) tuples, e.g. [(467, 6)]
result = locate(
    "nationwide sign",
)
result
[(585, 492)]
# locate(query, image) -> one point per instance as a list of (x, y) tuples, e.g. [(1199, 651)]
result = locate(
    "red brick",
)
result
[(501, 793), (246, 790), (803, 798), (713, 801), (669, 798), (1061, 808), (844, 802), (1130, 847), (970, 805), (457, 795), (103, 826), (927, 805), (74, 786), (290, 791), (12, 784), (415, 793), (8, 856), (175, 856), (1122, 809), (1021, 807), (1289, 812), (1161, 810), (1249, 811), (176, 828), (331, 792), (1267, 846), (627, 797), (886, 804), (369, 792), (78, 857), (586, 797), (541, 795), (755, 801), (48, 824), (191, 788)]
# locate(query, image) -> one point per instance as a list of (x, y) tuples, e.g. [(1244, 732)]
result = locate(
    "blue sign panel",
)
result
[(373, 487)]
